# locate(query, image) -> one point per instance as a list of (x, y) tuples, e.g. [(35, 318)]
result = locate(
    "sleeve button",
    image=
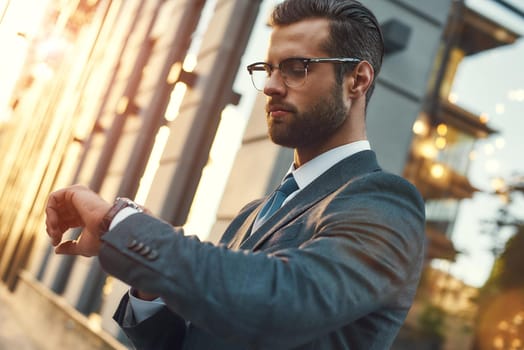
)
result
[(153, 255), (132, 243), (145, 251), (138, 247)]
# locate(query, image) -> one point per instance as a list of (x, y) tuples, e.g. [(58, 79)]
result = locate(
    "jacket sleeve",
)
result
[(365, 251)]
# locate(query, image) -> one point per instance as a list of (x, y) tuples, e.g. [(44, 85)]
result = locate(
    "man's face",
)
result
[(310, 114)]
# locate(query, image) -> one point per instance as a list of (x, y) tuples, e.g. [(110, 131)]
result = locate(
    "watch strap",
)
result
[(119, 204)]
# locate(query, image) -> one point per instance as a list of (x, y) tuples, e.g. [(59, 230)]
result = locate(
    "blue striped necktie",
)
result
[(274, 202)]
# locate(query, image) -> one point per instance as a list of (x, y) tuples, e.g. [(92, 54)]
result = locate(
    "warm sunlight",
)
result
[(17, 28), (152, 165)]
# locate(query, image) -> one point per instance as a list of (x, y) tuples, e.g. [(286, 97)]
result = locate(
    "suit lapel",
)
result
[(244, 229), (335, 177)]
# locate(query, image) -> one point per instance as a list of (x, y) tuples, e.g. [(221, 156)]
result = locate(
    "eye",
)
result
[(293, 67)]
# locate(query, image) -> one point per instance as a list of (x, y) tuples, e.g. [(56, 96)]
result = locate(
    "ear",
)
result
[(358, 82)]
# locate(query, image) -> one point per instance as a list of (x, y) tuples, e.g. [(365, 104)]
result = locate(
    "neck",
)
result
[(305, 154)]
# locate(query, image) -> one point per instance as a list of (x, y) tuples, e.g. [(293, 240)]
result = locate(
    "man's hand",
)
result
[(75, 206)]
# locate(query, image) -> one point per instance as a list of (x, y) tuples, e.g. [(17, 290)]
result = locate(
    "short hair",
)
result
[(354, 30)]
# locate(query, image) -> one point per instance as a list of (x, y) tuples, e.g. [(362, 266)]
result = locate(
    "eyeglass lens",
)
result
[(292, 70)]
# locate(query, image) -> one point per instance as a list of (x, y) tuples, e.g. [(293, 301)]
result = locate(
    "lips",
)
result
[(278, 110)]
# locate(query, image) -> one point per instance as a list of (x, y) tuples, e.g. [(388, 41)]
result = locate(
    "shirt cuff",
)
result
[(143, 309), (121, 215)]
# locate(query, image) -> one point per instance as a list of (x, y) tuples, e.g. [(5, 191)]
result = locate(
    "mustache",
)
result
[(272, 106)]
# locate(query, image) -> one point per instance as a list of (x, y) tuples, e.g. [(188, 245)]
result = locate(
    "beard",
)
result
[(313, 126)]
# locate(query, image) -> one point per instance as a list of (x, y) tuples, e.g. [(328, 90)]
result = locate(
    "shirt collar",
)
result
[(309, 171)]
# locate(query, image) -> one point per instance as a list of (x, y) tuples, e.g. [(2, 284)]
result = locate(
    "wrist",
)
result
[(142, 295), (119, 204)]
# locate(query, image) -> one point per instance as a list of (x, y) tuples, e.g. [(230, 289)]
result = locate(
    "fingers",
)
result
[(75, 206), (53, 227), (84, 245), (75, 247), (58, 221), (61, 214), (67, 248)]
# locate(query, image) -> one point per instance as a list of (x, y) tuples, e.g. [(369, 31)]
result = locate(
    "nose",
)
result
[(275, 84)]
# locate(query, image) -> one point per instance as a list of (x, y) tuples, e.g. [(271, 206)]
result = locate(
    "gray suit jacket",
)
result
[(335, 268)]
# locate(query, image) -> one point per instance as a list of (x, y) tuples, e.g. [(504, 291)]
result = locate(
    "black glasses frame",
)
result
[(269, 68)]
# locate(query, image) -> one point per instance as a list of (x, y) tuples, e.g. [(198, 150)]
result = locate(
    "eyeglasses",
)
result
[(292, 70)]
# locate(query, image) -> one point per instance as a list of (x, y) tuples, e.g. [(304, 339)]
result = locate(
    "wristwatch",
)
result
[(119, 204)]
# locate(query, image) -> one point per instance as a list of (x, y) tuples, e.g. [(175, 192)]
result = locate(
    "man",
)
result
[(335, 267)]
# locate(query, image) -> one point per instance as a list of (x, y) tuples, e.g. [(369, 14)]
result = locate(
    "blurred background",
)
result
[(151, 100)]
